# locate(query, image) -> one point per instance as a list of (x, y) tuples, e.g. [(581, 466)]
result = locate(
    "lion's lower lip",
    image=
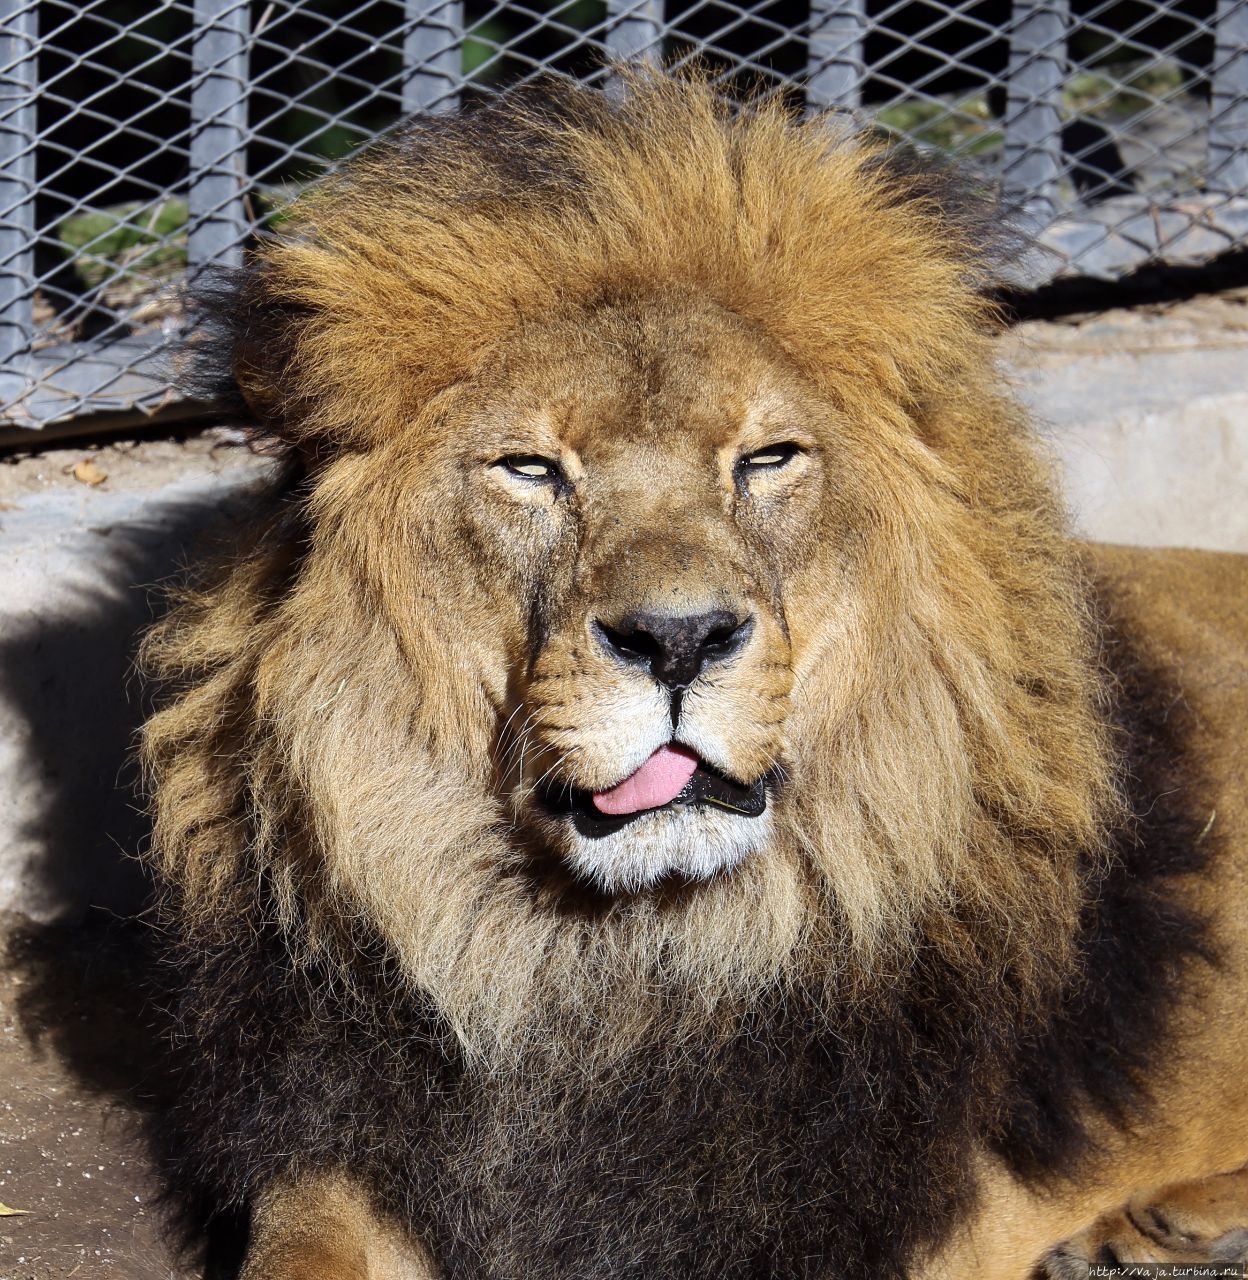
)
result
[(705, 787)]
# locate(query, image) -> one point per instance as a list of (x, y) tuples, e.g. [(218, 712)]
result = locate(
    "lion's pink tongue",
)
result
[(660, 779)]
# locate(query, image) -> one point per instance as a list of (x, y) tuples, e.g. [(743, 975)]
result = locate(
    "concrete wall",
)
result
[(1148, 413)]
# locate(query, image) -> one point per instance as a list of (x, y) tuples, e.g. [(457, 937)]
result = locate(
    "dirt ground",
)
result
[(129, 464), (76, 1071), (79, 1049)]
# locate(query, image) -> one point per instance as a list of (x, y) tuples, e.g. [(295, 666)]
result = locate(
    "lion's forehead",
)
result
[(650, 378)]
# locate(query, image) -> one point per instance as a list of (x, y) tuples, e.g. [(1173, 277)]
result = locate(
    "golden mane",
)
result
[(328, 754), (396, 277)]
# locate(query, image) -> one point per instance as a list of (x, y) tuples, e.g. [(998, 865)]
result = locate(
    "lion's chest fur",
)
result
[(793, 1149), (778, 1154)]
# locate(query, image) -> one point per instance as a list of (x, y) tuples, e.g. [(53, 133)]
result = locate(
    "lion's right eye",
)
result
[(530, 466), (771, 458)]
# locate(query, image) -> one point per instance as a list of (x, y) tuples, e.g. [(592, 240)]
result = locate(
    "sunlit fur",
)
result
[(346, 687)]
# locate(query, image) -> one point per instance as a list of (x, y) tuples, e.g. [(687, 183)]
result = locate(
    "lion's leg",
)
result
[(326, 1229), (1204, 1221), (1016, 1229)]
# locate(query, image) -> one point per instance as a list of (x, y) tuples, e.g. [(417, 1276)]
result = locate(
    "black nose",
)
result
[(675, 649)]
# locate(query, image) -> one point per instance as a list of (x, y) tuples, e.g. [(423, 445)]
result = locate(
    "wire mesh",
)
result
[(141, 139)]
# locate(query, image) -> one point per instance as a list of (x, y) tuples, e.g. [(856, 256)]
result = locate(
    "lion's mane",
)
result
[(776, 1072)]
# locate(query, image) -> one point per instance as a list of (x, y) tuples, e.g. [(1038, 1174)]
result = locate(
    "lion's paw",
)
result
[(1204, 1221)]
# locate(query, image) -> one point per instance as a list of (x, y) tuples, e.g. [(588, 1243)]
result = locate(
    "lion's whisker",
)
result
[(564, 756)]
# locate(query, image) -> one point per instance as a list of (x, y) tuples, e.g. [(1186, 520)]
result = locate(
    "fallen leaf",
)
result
[(86, 472), (6, 1212)]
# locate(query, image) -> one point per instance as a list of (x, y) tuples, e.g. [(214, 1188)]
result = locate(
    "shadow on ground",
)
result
[(82, 1057)]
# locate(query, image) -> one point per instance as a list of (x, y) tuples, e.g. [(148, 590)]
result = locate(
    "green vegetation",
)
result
[(481, 44), (130, 239), (963, 127), (1124, 92), (129, 245)]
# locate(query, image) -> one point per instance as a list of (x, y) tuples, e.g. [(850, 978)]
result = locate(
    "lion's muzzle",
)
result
[(674, 778)]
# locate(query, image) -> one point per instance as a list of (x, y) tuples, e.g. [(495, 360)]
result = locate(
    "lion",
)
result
[(659, 790)]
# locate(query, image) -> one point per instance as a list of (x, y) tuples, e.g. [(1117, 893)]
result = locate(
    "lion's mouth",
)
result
[(672, 776)]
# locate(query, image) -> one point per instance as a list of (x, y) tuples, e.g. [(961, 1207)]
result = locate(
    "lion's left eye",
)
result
[(775, 455), (530, 466)]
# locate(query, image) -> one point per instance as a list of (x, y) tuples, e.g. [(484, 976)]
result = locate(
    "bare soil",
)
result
[(132, 464), (77, 1056)]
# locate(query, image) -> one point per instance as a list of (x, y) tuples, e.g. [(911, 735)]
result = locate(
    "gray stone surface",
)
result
[(1146, 410), (80, 568)]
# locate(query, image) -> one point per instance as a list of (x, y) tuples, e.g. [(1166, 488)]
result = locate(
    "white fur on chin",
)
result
[(696, 841)]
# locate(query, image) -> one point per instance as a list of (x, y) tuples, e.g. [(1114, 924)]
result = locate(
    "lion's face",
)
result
[(644, 500), (659, 526)]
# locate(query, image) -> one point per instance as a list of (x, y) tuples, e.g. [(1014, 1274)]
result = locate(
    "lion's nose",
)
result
[(675, 648)]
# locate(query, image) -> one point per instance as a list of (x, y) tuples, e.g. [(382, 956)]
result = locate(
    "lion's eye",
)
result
[(775, 455), (530, 466)]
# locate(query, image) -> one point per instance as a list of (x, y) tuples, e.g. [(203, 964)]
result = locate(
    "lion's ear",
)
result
[(238, 353), (973, 220)]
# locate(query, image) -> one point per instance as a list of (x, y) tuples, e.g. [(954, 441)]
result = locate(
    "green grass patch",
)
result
[(129, 239), (964, 127), (1122, 91), (128, 244)]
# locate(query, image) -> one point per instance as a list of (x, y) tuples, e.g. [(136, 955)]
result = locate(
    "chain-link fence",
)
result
[(140, 139)]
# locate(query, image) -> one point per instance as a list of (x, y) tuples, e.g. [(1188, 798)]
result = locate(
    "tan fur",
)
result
[(1205, 1221), (943, 739), (367, 729), (325, 1229), (1190, 611)]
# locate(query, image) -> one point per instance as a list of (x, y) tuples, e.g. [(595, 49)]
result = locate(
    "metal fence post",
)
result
[(835, 65), (1228, 117), (433, 36), (635, 30), (218, 221), (1032, 124), (18, 78)]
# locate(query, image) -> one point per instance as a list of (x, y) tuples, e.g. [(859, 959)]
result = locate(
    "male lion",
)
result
[(662, 795)]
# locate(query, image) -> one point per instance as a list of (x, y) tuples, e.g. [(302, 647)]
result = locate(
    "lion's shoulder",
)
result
[(1187, 612), (1207, 588)]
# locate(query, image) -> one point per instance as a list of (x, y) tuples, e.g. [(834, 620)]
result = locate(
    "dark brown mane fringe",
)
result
[(823, 1138)]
